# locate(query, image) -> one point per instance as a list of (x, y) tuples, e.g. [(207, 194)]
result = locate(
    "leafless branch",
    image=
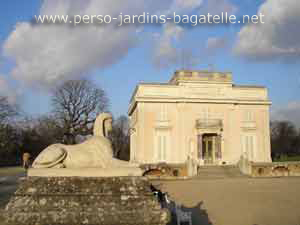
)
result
[(76, 104)]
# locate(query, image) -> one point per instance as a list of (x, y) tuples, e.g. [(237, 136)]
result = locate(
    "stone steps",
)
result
[(218, 172)]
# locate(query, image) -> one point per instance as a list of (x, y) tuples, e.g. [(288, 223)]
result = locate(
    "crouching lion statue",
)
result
[(96, 152)]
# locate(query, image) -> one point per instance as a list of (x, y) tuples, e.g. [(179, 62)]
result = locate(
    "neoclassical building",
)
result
[(201, 115)]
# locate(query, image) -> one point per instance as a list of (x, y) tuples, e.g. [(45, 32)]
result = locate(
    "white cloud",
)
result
[(216, 42), (47, 54), (278, 37), (3, 85), (182, 5), (216, 7), (202, 6), (6, 90), (290, 112), (166, 53)]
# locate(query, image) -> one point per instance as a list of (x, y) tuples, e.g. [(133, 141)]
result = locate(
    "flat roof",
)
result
[(248, 86)]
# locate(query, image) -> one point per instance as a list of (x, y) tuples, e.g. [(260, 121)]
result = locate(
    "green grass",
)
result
[(288, 159), (11, 171)]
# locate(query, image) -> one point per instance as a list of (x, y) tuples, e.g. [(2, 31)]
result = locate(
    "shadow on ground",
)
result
[(7, 188), (10, 177), (199, 215), (9, 180)]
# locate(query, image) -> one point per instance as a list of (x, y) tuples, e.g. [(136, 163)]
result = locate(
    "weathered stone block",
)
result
[(85, 200)]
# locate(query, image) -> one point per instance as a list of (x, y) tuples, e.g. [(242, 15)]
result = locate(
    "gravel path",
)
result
[(238, 201)]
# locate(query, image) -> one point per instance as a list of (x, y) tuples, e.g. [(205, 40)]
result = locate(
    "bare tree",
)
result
[(120, 138), (9, 145), (283, 139), (7, 110), (39, 133), (76, 104), (9, 136)]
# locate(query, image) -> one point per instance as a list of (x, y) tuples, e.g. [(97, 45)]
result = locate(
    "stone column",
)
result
[(199, 140), (218, 147)]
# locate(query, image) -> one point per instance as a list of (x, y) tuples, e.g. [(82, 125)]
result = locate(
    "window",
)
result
[(162, 145), (206, 114), (162, 114), (249, 146), (248, 116)]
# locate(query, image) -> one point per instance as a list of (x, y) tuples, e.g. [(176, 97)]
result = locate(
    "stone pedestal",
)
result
[(85, 200)]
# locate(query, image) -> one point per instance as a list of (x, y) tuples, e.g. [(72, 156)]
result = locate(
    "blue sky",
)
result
[(261, 55)]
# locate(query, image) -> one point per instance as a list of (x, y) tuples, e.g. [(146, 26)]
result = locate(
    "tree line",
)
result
[(285, 140), (75, 105)]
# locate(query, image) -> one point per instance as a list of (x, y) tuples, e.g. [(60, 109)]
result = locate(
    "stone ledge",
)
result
[(86, 172)]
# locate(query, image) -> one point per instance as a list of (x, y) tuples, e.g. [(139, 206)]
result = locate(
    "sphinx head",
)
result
[(107, 126), (103, 125)]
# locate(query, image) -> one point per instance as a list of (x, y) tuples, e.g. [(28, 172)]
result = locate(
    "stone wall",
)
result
[(91, 201), (275, 169), (278, 169), (165, 170)]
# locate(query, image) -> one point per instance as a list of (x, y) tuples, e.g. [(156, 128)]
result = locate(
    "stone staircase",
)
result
[(219, 172)]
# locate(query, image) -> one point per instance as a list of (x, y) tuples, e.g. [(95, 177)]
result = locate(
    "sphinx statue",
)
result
[(101, 189), (96, 152)]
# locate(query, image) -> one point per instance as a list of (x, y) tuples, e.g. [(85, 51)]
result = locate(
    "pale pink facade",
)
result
[(202, 115)]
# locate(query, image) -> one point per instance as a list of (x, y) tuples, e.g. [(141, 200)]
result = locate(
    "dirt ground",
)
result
[(238, 201)]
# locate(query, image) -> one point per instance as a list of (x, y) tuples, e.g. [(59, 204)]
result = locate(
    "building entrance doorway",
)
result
[(209, 148)]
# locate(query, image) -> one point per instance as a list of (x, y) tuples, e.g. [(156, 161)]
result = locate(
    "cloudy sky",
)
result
[(35, 58)]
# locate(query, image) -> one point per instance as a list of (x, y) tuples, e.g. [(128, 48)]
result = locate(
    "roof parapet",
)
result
[(201, 76)]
